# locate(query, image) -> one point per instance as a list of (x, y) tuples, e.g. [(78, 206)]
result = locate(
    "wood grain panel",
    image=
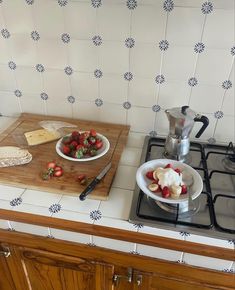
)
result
[(29, 175)]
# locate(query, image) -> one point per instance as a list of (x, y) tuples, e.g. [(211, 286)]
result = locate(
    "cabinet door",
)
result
[(146, 281), (6, 281), (50, 271)]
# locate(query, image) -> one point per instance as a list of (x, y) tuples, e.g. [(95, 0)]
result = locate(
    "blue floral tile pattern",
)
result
[(29, 2), (35, 35), (228, 270), (233, 51), (96, 3), (127, 105), (40, 68), (231, 242), (207, 7), (211, 140), (199, 47), (218, 114), (99, 102), (138, 226), (12, 65), (68, 70), (97, 40), (18, 93), (163, 45), (192, 82), (134, 253), (95, 215), (129, 42), (65, 37), (156, 108), (168, 5), (16, 201), (91, 244), (44, 96), (5, 33), (184, 234), (98, 73), (54, 208), (153, 133), (227, 84), (62, 2), (128, 76), (71, 99), (131, 4), (160, 79)]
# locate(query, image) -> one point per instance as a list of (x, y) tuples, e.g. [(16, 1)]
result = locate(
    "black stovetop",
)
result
[(215, 214)]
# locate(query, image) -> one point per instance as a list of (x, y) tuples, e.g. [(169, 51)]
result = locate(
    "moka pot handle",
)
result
[(205, 122)]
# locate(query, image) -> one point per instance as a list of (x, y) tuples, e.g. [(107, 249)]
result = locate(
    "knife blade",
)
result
[(94, 182)]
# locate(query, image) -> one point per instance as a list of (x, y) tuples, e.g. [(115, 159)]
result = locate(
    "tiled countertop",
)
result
[(112, 213)]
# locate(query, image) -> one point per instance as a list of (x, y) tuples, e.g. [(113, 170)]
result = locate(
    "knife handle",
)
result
[(88, 189)]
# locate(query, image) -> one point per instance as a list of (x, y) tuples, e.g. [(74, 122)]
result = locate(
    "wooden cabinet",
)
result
[(36, 263)]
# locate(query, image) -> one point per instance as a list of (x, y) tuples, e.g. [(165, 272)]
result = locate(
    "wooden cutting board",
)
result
[(29, 175)]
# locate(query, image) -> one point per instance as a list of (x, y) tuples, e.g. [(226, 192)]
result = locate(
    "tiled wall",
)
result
[(119, 61)]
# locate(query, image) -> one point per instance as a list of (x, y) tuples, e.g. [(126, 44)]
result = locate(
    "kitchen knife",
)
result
[(94, 182)]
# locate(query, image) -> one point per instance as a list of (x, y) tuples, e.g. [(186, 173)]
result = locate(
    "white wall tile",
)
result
[(9, 192), (136, 116), (125, 177), (63, 107), (18, 16), (116, 245), (130, 156), (145, 60), (213, 66), (7, 81), (10, 106), (174, 94), (215, 29), (48, 18), (114, 57), (80, 20), (4, 55), (184, 26), (52, 53), (228, 107), (148, 24), (110, 27), (201, 98), (112, 113), (82, 55), (118, 204), (135, 140), (113, 88), (70, 236), (178, 63), (40, 198), (31, 229), (84, 85), (225, 129), (4, 224), (28, 80), (143, 91), (5, 122), (32, 103)]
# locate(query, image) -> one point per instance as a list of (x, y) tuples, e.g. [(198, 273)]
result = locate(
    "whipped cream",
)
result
[(168, 177)]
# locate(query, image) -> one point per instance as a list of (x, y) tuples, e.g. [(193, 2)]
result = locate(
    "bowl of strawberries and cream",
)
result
[(169, 180)]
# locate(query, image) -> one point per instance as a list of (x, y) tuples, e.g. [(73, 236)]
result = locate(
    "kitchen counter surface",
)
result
[(113, 213)]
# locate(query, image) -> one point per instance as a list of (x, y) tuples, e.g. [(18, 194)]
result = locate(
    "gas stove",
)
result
[(215, 207)]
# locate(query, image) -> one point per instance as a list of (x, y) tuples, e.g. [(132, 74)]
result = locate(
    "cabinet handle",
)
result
[(139, 280), (6, 253), (117, 278)]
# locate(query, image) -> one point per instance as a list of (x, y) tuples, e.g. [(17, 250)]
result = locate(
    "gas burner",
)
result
[(185, 159), (176, 209), (229, 162)]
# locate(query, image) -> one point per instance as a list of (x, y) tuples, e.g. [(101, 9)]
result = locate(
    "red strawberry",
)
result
[(168, 165), (81, 177), (92, 133), (66, 149), (149, 175), (75, 135), (166, 192), (73, 144), (66, 140), (58, 173), (184, 189), (57, 168), (178, 170), (98, 144), (51, 165)]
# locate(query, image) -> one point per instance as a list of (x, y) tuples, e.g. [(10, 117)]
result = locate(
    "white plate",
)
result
[(195, 189), (101, 152)]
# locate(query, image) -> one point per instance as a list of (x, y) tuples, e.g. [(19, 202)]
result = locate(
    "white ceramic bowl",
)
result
[(101, 152), (195, 189)]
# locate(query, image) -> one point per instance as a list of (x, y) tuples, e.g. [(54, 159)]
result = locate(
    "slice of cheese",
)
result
[(41, 136)]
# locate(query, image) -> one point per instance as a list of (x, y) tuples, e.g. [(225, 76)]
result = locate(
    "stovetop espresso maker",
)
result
[(181, 121)]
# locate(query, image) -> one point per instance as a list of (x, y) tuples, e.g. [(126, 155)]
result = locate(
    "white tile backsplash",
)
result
[(144, 37)]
